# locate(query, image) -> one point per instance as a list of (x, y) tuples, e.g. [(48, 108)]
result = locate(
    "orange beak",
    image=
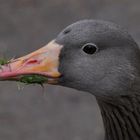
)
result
[(44, 61)]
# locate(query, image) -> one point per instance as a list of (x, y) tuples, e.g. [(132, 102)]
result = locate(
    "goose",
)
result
[(98, 57)]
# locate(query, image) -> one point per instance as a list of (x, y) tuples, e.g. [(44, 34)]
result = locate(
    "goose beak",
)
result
[(44, 61)]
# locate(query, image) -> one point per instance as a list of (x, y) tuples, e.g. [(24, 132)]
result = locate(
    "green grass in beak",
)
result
[(4, 61), (33, 79), (27, 79)]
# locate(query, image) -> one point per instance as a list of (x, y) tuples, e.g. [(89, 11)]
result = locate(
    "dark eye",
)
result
[(90, 48)]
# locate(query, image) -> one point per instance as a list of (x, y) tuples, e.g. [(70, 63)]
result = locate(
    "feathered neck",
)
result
[(121, 117)]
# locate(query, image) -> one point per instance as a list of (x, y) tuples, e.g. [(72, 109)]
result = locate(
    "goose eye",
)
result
[(90, 48)]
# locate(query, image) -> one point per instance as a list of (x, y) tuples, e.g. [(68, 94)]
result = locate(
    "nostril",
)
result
[(32, 62)]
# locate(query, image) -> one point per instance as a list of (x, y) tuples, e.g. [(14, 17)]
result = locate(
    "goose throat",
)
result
[(121, 117)]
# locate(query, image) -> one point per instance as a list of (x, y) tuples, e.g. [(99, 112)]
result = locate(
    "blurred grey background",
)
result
[(52, 113)]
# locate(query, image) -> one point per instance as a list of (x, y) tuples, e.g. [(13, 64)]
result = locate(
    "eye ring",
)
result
[(90, 48)]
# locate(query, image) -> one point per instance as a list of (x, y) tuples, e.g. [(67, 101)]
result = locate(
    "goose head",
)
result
[(90, 55)]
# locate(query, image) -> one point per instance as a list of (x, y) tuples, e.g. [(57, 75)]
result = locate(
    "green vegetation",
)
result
[(33, 79), (3, 61)]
